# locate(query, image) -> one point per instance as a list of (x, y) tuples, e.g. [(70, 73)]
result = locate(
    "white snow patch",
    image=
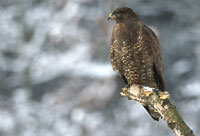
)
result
[(76, 62), (181, 67), (7, 122), (78, 115), (146, 88), (192, 89)]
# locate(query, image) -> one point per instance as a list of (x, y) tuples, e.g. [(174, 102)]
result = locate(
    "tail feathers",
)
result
[(152, 113)]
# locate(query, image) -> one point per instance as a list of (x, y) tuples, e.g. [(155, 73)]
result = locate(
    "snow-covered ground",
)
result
[(55, 75)]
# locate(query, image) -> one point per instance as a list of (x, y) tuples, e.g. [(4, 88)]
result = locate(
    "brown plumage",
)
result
[(135, 52)]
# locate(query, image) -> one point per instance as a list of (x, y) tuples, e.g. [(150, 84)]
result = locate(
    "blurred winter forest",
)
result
[(55, 74)]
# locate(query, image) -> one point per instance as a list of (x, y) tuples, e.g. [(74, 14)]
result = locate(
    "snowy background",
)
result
[(55, 74)]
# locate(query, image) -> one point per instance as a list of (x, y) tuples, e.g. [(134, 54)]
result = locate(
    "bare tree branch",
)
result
[(160, 103)]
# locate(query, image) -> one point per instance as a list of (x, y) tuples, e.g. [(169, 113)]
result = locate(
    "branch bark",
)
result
[(161, 104)]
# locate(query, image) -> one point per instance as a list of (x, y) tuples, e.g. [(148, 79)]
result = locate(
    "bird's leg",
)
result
[(164, 95), (124, 89)]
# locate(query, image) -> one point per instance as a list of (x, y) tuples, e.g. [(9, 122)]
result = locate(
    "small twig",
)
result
[(162, 105)]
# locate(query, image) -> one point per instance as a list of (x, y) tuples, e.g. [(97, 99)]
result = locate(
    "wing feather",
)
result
[(158, 67)]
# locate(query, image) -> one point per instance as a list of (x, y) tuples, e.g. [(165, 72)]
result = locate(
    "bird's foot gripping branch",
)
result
[(159, 103), (141, 94)]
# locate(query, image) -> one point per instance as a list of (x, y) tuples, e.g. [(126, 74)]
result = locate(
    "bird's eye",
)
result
[(116, 13)]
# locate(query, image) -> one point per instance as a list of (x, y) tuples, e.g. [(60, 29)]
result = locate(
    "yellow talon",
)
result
[(124, 89), (147, 93)]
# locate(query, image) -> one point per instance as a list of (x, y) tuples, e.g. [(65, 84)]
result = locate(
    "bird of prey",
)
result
[(135, 52)]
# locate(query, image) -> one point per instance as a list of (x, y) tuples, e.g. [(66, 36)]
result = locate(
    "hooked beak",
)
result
[(111, 16)]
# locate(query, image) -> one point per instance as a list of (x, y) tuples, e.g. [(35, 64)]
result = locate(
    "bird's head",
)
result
[(122, 13)]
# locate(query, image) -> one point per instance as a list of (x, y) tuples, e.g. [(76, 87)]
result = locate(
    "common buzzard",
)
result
[(135, 52)]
